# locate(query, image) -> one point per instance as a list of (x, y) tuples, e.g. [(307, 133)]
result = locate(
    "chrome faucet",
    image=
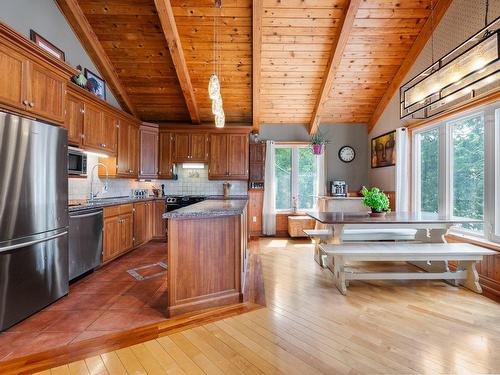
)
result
[(106, 184)]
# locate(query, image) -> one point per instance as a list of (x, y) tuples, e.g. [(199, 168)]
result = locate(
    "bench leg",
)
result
[(339, 274), (472, 280)]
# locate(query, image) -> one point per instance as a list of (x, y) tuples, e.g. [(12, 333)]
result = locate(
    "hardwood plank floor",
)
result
[(308, 327)]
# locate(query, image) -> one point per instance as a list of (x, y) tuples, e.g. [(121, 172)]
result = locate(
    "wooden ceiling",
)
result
[(313, 61)]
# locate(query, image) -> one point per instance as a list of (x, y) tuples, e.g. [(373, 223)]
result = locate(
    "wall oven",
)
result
[(77, 162)]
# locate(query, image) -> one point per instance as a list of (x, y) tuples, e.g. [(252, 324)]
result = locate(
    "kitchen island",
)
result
[(207, 245)]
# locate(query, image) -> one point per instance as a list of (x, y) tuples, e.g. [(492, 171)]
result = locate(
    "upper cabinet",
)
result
[(190, 147), (165, 160), (228, 156), (75, 108), (128, 147), (148, 154), (31, 81)]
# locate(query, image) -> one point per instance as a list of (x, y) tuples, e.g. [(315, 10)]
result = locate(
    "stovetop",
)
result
[(184, 199)]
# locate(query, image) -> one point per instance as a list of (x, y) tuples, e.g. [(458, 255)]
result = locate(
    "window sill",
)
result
[(455, 237)]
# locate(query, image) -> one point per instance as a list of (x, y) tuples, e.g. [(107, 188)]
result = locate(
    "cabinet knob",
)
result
[(25, 102), (31, 104)]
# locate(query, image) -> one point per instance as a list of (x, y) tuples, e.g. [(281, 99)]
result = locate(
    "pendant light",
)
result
[(470, 70), (214, 91)]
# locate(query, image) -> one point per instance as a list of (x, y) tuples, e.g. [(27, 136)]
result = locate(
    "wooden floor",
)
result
[(417, 327)]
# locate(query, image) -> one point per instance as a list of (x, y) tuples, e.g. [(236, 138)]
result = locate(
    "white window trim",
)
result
[(491, 212), (295, 176)]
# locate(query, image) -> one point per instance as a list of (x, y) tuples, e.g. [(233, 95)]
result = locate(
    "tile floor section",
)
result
[(104, 302)]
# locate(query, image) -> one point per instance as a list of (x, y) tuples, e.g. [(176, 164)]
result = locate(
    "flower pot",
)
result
[(317, 149), (377, 213)]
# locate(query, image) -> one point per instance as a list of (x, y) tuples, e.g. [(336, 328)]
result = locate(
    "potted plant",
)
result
[(317, 143), (377, 200)]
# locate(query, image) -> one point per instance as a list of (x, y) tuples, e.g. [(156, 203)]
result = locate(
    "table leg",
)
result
[(339, 274), (336, 230), (472, 280)]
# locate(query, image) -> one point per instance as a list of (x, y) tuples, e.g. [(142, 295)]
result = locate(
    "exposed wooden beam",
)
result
[(81, 26), (420, 42), (257, 9), (345, 27), (166, 15)]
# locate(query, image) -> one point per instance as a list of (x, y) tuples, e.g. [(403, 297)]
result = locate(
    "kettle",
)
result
[(226, 186)]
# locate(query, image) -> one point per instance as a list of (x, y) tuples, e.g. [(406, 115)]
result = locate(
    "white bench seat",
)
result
[(467, 256), (320, 236)]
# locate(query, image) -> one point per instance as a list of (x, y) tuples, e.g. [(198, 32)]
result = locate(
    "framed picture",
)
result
[(95, 84), (46, 45), (383, 150)]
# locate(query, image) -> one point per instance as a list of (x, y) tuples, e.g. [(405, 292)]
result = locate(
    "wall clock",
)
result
[(347, 154)]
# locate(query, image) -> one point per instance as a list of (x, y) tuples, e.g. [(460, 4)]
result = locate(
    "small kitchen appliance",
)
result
[(338, 188), (77, 162)]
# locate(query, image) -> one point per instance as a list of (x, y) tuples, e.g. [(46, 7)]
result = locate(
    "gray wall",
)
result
[(355, 173), (45, 18)]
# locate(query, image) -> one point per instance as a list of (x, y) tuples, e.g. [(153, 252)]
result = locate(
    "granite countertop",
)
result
[(209, 208), (106, 202)]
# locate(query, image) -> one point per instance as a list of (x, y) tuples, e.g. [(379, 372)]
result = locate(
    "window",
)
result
[(296, 177), (456, 168)]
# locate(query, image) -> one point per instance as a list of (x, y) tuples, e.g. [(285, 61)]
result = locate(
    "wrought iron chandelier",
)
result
[(470, 70), (214, 83)]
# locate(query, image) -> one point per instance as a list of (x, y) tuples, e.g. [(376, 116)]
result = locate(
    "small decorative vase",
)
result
[(317, 149), (377, 213)]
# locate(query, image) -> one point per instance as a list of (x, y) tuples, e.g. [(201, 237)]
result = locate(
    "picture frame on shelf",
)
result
[(47, 46), (383, 150), (95, 84)]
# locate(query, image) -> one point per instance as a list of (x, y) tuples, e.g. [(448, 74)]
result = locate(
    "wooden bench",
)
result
[(321, 236), (467, 256)]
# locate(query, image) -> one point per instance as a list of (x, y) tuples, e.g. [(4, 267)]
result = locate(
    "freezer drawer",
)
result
[(32, 276)]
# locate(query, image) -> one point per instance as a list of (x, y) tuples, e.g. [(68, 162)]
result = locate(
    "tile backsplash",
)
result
[(189, 182)]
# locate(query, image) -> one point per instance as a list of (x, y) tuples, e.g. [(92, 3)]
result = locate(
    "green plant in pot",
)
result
[(317, 142), (377, 200)]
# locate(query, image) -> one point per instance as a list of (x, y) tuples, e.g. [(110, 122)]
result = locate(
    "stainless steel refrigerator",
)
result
[(33, 217)]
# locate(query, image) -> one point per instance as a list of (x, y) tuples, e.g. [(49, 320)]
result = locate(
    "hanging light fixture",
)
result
[(470, 70), (214, 92)]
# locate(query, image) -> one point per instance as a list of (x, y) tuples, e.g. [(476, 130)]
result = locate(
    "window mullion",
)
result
[(445, 171), (295, 169)]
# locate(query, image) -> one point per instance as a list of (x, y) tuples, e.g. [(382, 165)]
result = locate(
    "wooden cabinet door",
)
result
[(133, 155), (139, 223), (46, 93), (181, 147), (74, 120), (149, 220), (148, 159), (159, 224), (92, 127), (165, 169), (199, 148), (122, 158), (126, 232), (237, 156), (109, 139), (257, 153), (111, 240), (13, 78), (257, 172), (218, 163)]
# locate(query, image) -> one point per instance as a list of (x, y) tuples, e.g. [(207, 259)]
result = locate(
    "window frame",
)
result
[(491, 211), (294, 176)]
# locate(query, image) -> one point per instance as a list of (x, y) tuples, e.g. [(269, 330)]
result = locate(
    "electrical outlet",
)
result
[(254, 219)]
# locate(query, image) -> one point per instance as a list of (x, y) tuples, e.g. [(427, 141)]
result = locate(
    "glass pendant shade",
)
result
[(214, 87), (217, 107), (220, 120), (470, 70)]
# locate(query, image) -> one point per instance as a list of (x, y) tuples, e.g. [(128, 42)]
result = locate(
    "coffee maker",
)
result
[(338, 188)]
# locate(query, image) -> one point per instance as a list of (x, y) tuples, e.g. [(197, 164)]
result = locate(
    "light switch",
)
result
[(254, 219)]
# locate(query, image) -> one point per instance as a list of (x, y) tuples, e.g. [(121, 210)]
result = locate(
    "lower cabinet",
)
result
[(118, 231), (128, 226)]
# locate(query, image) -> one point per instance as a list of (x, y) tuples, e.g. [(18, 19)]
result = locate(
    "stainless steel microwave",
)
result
[(77, 162)]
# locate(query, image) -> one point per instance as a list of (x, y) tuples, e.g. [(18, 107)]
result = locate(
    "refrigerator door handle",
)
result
[(30, 243)]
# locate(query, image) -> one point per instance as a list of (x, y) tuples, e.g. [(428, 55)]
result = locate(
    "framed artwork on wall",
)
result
[(95, 84), (43, 43), (383, 150)]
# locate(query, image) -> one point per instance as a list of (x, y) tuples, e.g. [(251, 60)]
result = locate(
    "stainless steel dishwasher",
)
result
[(85, 241)]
